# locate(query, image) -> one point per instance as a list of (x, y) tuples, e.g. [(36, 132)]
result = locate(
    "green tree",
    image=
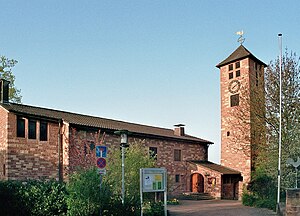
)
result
[(85, 196), (268, 158), (137, 156), (6, 66)]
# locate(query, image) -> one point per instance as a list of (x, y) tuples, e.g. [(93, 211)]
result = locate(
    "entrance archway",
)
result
[(197, 183)]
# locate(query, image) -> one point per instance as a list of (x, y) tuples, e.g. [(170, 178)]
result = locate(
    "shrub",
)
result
[(262, 191), (10, 199), (45, 197), (154, 209), (248, 199), (85, 196), (32, 198)]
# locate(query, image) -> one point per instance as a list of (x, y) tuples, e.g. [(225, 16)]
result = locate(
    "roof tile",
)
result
[(97, 122)]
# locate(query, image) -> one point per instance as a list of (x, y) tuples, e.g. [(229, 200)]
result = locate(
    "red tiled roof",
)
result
[(240, 53), (217, 167), (97, 122)]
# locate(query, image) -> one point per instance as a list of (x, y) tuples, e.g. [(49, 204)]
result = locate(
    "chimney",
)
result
[(4, 90), (179, 130)]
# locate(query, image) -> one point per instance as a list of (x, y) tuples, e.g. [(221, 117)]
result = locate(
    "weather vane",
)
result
[(241, 39)]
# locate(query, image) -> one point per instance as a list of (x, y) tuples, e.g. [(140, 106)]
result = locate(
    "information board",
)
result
[(153, 179)]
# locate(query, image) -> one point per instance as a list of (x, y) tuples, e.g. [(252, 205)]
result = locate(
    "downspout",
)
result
[(59, 151)]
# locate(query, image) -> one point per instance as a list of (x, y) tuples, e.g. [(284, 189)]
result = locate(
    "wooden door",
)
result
[(197, 183)]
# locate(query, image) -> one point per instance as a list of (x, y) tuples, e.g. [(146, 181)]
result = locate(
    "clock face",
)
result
[(234, 86)]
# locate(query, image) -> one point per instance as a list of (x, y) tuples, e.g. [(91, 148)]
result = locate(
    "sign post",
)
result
[(101, 153), (153, 180)]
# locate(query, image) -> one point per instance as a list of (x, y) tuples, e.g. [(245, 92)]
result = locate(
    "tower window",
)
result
[(234, 100), (230, 67), (231, 75), (177, 178), (237, 64), (238, 73)]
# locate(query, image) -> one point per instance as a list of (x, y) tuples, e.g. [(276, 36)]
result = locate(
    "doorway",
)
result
[(197, 183)]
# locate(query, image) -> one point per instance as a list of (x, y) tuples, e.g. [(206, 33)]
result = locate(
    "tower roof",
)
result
[(240, 53)]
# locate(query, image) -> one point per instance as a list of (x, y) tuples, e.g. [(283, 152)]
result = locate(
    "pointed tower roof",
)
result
[(240, 53)]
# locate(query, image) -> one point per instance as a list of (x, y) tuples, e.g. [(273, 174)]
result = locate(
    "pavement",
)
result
[(215, 208)]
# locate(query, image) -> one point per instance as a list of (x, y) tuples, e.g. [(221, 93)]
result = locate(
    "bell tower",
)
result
[(242, 106)]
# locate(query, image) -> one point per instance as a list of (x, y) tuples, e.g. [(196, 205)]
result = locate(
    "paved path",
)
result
[(215, 208)]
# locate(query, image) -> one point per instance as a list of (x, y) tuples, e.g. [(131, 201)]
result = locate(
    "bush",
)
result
[(248, 199), (32, 198), (154, 209), (10, 199), (85, 196), (262, 191)]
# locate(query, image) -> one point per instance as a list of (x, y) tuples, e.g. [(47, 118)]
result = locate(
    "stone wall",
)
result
[(31, 158), (292, 202), (82, 153), (3, 143), (67, 149)]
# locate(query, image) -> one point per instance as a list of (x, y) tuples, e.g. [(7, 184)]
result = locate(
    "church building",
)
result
[(42, 143)]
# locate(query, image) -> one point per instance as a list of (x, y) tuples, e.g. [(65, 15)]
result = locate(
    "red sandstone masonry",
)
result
[(3, 143), (31, 159), (34, 159)]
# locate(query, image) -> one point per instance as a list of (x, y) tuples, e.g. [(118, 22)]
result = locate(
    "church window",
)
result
[(43, 131), (153, 152), (20, 127), (231, 75), (230, 67), (177, 178), (31, 129), (177, 155), (234, 100)]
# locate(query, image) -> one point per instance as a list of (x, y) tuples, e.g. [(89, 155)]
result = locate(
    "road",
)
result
[(215, 208)]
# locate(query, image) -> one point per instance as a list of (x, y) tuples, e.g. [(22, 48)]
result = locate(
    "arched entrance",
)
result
[(197, 183)]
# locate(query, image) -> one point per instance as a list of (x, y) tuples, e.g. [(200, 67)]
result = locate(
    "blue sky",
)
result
[(149, 62)]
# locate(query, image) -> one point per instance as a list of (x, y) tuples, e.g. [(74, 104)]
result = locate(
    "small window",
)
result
[(31, 129), (20, 127), (228, 133), (237, 65), (231, 75), (177, 178), (234, 100), (153, 152), (230, 67), (177, 155), (43, 131), (238, 73)]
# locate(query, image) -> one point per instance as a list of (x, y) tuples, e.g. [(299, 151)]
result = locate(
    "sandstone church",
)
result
[(42, 143)]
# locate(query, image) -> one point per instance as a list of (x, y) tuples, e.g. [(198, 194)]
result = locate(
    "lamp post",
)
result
[(124, 140), (280, 120)]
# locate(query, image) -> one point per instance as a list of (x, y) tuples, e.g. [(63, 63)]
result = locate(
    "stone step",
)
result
[(195, 196)]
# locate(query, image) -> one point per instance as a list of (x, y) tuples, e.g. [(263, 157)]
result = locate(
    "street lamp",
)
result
[(124, 140)]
